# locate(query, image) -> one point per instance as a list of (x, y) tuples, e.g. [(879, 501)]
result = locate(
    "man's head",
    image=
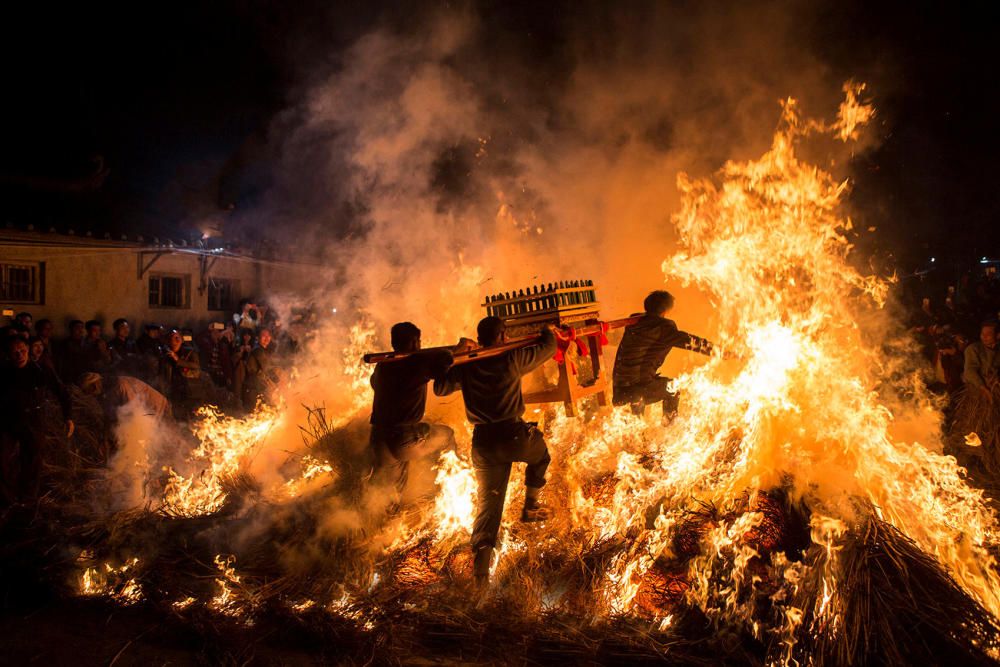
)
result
[(174, 340), (988, 334), (17, 348), (264, 338), (153, 331), (122, 328), (405, 337), (93, 329), (77, 330), (92, 384), (491, 331), (658, 303), (36, 348), (44, 329), (24, 320)]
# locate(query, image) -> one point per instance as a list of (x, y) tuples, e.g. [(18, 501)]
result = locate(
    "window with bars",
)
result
[(168, 291), (22, 282), (223, 293)]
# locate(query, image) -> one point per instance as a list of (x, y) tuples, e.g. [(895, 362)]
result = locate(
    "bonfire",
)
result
[(779, 518)]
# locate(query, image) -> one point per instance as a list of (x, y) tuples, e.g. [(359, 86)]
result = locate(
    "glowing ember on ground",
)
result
[(112, 581)]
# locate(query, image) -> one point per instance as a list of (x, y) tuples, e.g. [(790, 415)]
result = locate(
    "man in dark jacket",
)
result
[(215, 345), (149, 347), (123, 347), (636, 380), (262, 375), (398, 435), (491, 390), (34, 421), (179, 369), (73, 357), (98, 354)]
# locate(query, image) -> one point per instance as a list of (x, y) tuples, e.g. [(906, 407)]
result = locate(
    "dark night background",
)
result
[(177, 101)]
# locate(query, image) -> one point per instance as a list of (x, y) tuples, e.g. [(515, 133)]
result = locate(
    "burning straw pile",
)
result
[(776, 519)]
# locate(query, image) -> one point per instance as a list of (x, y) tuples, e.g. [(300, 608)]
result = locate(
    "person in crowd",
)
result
[(23, 322), (98, 354), (242, 347), (977, 408), (950, 357), (35, 422), (149, 347), (491, 391), (948, 316), (122, 347), (982, 361), (928, 315), (149, 342), (398, 434), (40, 355), (74, 358), (19, 327), (635, 379), (262, 375), (44, 329), (179, 368), (215, 347), (114, 391)]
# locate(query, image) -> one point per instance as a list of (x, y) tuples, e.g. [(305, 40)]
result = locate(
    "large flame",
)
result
[(226, 446)]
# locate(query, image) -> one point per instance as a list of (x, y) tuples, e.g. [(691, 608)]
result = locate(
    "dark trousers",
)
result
[(647, 393), (395, 448), (494, 448)]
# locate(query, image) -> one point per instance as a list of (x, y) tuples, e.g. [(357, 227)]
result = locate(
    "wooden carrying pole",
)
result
[(494, 350)]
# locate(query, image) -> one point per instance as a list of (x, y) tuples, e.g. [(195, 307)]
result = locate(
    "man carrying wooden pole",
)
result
[(491, 390)]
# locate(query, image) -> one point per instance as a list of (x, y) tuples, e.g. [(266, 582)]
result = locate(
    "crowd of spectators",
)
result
[(956, 327), (59, 396), (946, 319)]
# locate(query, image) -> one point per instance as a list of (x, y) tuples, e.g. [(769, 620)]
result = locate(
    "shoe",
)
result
[(535, 511), (481, 565)]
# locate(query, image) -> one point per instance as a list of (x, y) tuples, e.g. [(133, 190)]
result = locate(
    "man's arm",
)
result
[(674, 337), (449, 382), (528, 359), (697, 344)]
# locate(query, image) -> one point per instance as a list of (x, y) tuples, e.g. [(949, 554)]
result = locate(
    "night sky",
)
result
[(177, 102)]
